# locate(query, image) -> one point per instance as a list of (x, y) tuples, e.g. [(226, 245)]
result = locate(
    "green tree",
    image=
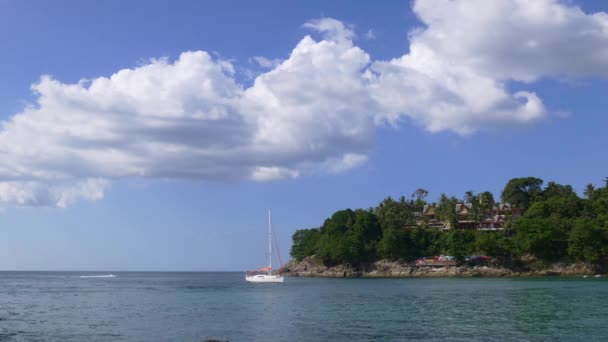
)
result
[(366, 236), (394, 244), (545, 238), (484, 204), (419, 195), (486, 199), (589, 240), (494, 244), (446, 210), (460, 243), (393, 214), (589, 188), (521, 192), (569, 206), (336, 243), (597, 206), (478, 209), (557, 190), (348, 237), (469, 197), (304, 243), (425, 241)]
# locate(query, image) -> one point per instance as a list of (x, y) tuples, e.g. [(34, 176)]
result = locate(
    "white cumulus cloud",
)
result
[(315, 110)]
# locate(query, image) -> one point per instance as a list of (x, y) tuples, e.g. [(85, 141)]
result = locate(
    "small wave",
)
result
[(98, 276)]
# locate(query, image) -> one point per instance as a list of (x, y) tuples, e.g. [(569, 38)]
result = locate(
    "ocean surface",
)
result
[(65, 306)]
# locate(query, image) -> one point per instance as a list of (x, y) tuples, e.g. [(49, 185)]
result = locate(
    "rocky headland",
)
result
[(310, 267)]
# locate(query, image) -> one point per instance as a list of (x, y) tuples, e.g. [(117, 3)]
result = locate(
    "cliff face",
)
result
[(310, 267)]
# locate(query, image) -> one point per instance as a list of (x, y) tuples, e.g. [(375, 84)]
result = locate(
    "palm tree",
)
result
[(420, 194), (469, 196), (446, 210), (486, 202), (589, 188)]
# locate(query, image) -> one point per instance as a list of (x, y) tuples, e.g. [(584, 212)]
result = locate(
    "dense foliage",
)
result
[(553, 224)]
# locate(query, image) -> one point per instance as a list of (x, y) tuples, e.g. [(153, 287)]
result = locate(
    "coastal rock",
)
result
[(311, 267)]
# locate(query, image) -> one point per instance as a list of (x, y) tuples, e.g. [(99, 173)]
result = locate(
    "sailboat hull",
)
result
[(264, 278)]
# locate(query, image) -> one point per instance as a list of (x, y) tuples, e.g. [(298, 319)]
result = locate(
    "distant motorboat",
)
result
[(264, 274)]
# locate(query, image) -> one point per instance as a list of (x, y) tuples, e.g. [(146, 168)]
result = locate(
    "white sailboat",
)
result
[(264, 274)]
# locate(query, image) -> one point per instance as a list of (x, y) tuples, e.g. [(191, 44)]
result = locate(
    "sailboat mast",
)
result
[(269, 241)]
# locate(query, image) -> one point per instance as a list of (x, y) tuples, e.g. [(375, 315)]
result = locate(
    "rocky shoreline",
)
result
[(310, 267)]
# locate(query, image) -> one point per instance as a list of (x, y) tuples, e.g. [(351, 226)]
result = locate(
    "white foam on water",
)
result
[(98, 276)]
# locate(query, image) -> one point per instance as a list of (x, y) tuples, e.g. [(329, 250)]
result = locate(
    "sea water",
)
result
[(128, 306)]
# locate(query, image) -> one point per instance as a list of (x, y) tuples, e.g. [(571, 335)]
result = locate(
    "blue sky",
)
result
[(172, 163)]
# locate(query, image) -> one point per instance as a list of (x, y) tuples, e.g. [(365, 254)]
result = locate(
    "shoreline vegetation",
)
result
[(532, 231)]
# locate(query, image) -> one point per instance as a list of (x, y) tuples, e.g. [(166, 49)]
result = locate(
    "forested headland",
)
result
[(543, 224)]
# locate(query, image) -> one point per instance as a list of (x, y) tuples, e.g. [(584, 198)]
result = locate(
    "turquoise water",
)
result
[(59, 306)]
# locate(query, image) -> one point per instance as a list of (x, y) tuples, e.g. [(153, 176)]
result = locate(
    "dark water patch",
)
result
[(7, 336), (206, 287)]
